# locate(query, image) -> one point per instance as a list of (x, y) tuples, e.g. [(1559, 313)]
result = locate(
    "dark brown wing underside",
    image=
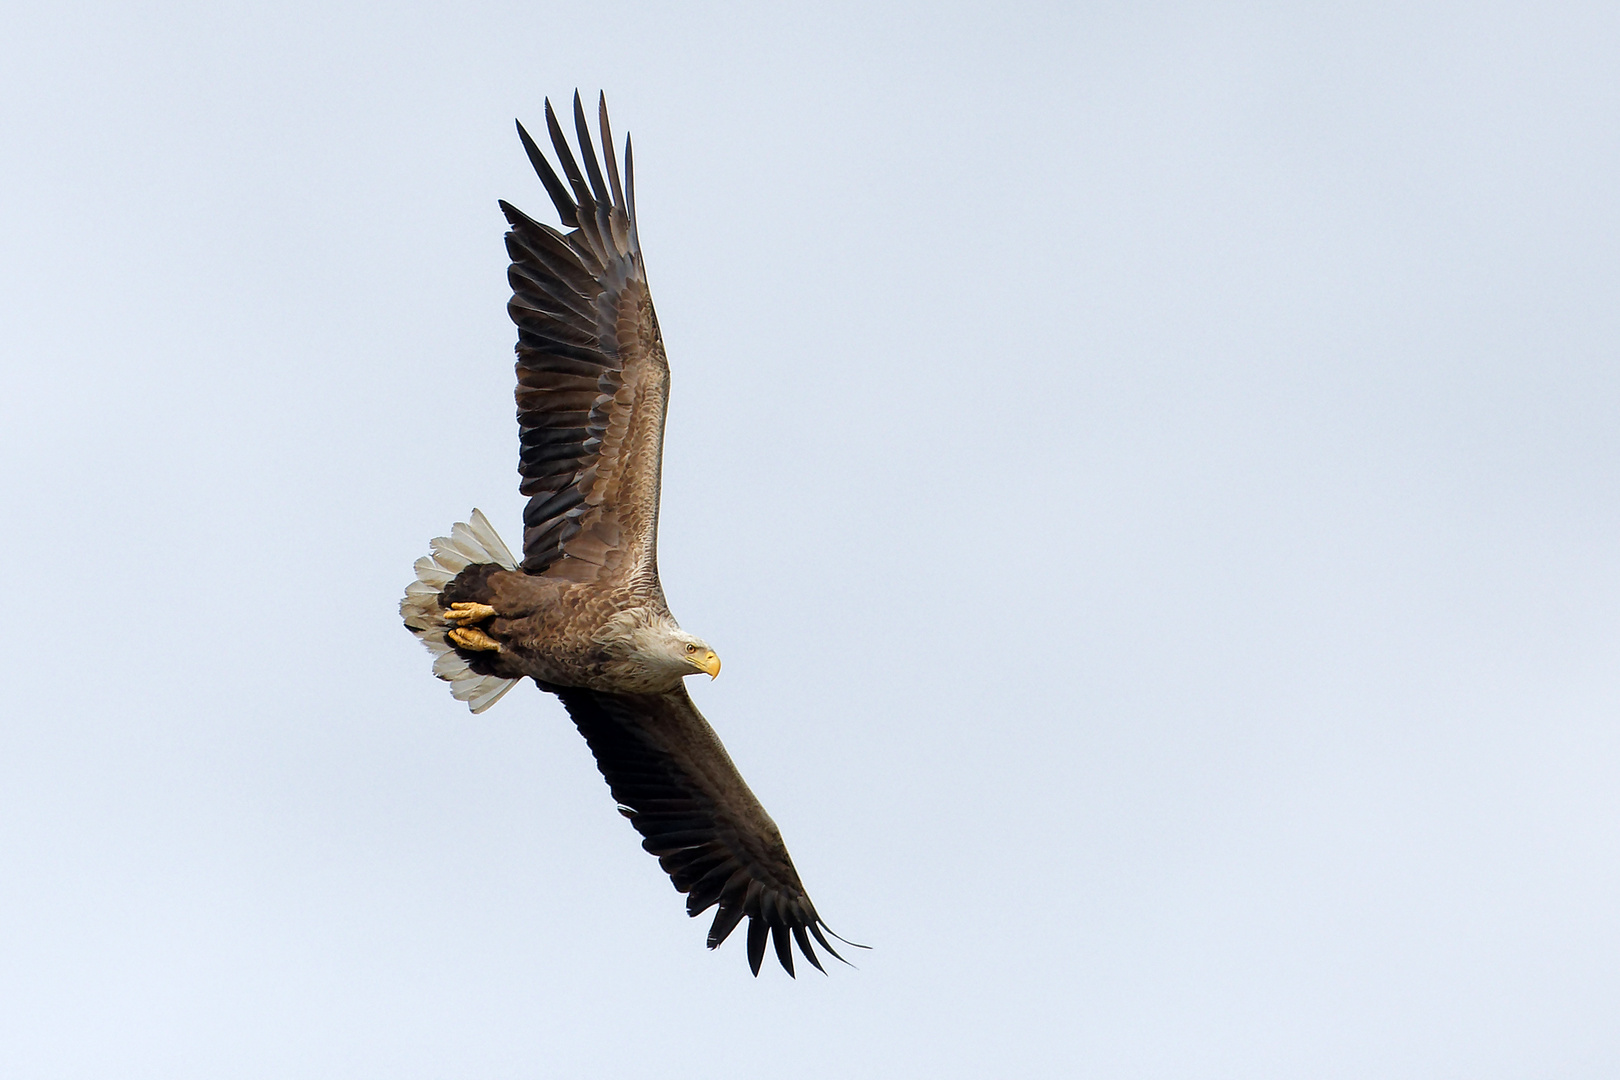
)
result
[(584, 318), (673, 779)]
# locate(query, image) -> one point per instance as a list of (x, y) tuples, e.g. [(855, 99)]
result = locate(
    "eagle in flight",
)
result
[(583, 614)]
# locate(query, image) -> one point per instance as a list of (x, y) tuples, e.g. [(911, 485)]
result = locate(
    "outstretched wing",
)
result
[(592, 381), (676, 783)]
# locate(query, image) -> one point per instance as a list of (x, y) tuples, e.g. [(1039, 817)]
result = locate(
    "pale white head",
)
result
[(694, 653), (650, 653), (666, 654)]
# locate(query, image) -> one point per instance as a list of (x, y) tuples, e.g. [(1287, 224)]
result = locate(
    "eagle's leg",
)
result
[(473, 640), (467, 614)]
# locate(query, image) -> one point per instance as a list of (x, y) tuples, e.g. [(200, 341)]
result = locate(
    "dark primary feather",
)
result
[(554, 186), (588, 150), (673, 779), (607, 149)]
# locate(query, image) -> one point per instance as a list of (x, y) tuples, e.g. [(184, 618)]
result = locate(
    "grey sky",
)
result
[(1151, 475)]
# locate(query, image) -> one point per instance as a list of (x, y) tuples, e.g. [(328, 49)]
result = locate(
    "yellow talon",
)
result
[(473, 640), (467, 614)]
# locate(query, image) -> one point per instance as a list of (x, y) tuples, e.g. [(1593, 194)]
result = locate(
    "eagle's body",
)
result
[(584, 614), (563, 633)]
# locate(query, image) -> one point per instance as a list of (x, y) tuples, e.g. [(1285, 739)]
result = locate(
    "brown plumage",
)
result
[(584, 614)]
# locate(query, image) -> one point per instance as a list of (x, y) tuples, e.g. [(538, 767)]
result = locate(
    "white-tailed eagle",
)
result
[(583, 614)]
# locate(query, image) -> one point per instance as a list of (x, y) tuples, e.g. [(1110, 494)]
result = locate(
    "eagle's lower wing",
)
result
[(592, 379), (675, 782)]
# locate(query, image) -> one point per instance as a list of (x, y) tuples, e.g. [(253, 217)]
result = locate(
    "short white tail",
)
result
[(469, 542)]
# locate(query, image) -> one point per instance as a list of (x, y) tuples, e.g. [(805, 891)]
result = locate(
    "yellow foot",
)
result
[(467, 614), (473, 640)]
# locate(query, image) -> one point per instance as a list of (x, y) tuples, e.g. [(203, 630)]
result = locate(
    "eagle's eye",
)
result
[(691, 648)]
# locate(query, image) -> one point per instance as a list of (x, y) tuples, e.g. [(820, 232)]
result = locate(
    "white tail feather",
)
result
[(486, 535), (469, 542)]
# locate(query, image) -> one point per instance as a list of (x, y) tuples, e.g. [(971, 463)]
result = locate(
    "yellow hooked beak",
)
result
[(708, 663)]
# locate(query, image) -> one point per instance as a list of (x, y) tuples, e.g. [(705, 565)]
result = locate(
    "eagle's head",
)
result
[(652, 655), (690, 654)]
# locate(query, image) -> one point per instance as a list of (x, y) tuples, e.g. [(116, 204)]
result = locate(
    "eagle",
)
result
[(583, 614)]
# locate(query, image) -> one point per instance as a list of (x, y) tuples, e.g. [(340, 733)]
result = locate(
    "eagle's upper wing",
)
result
[(592, 379), (676, 783)]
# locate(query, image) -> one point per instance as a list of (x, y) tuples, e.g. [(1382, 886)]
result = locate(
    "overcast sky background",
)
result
[(1151, 474)]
